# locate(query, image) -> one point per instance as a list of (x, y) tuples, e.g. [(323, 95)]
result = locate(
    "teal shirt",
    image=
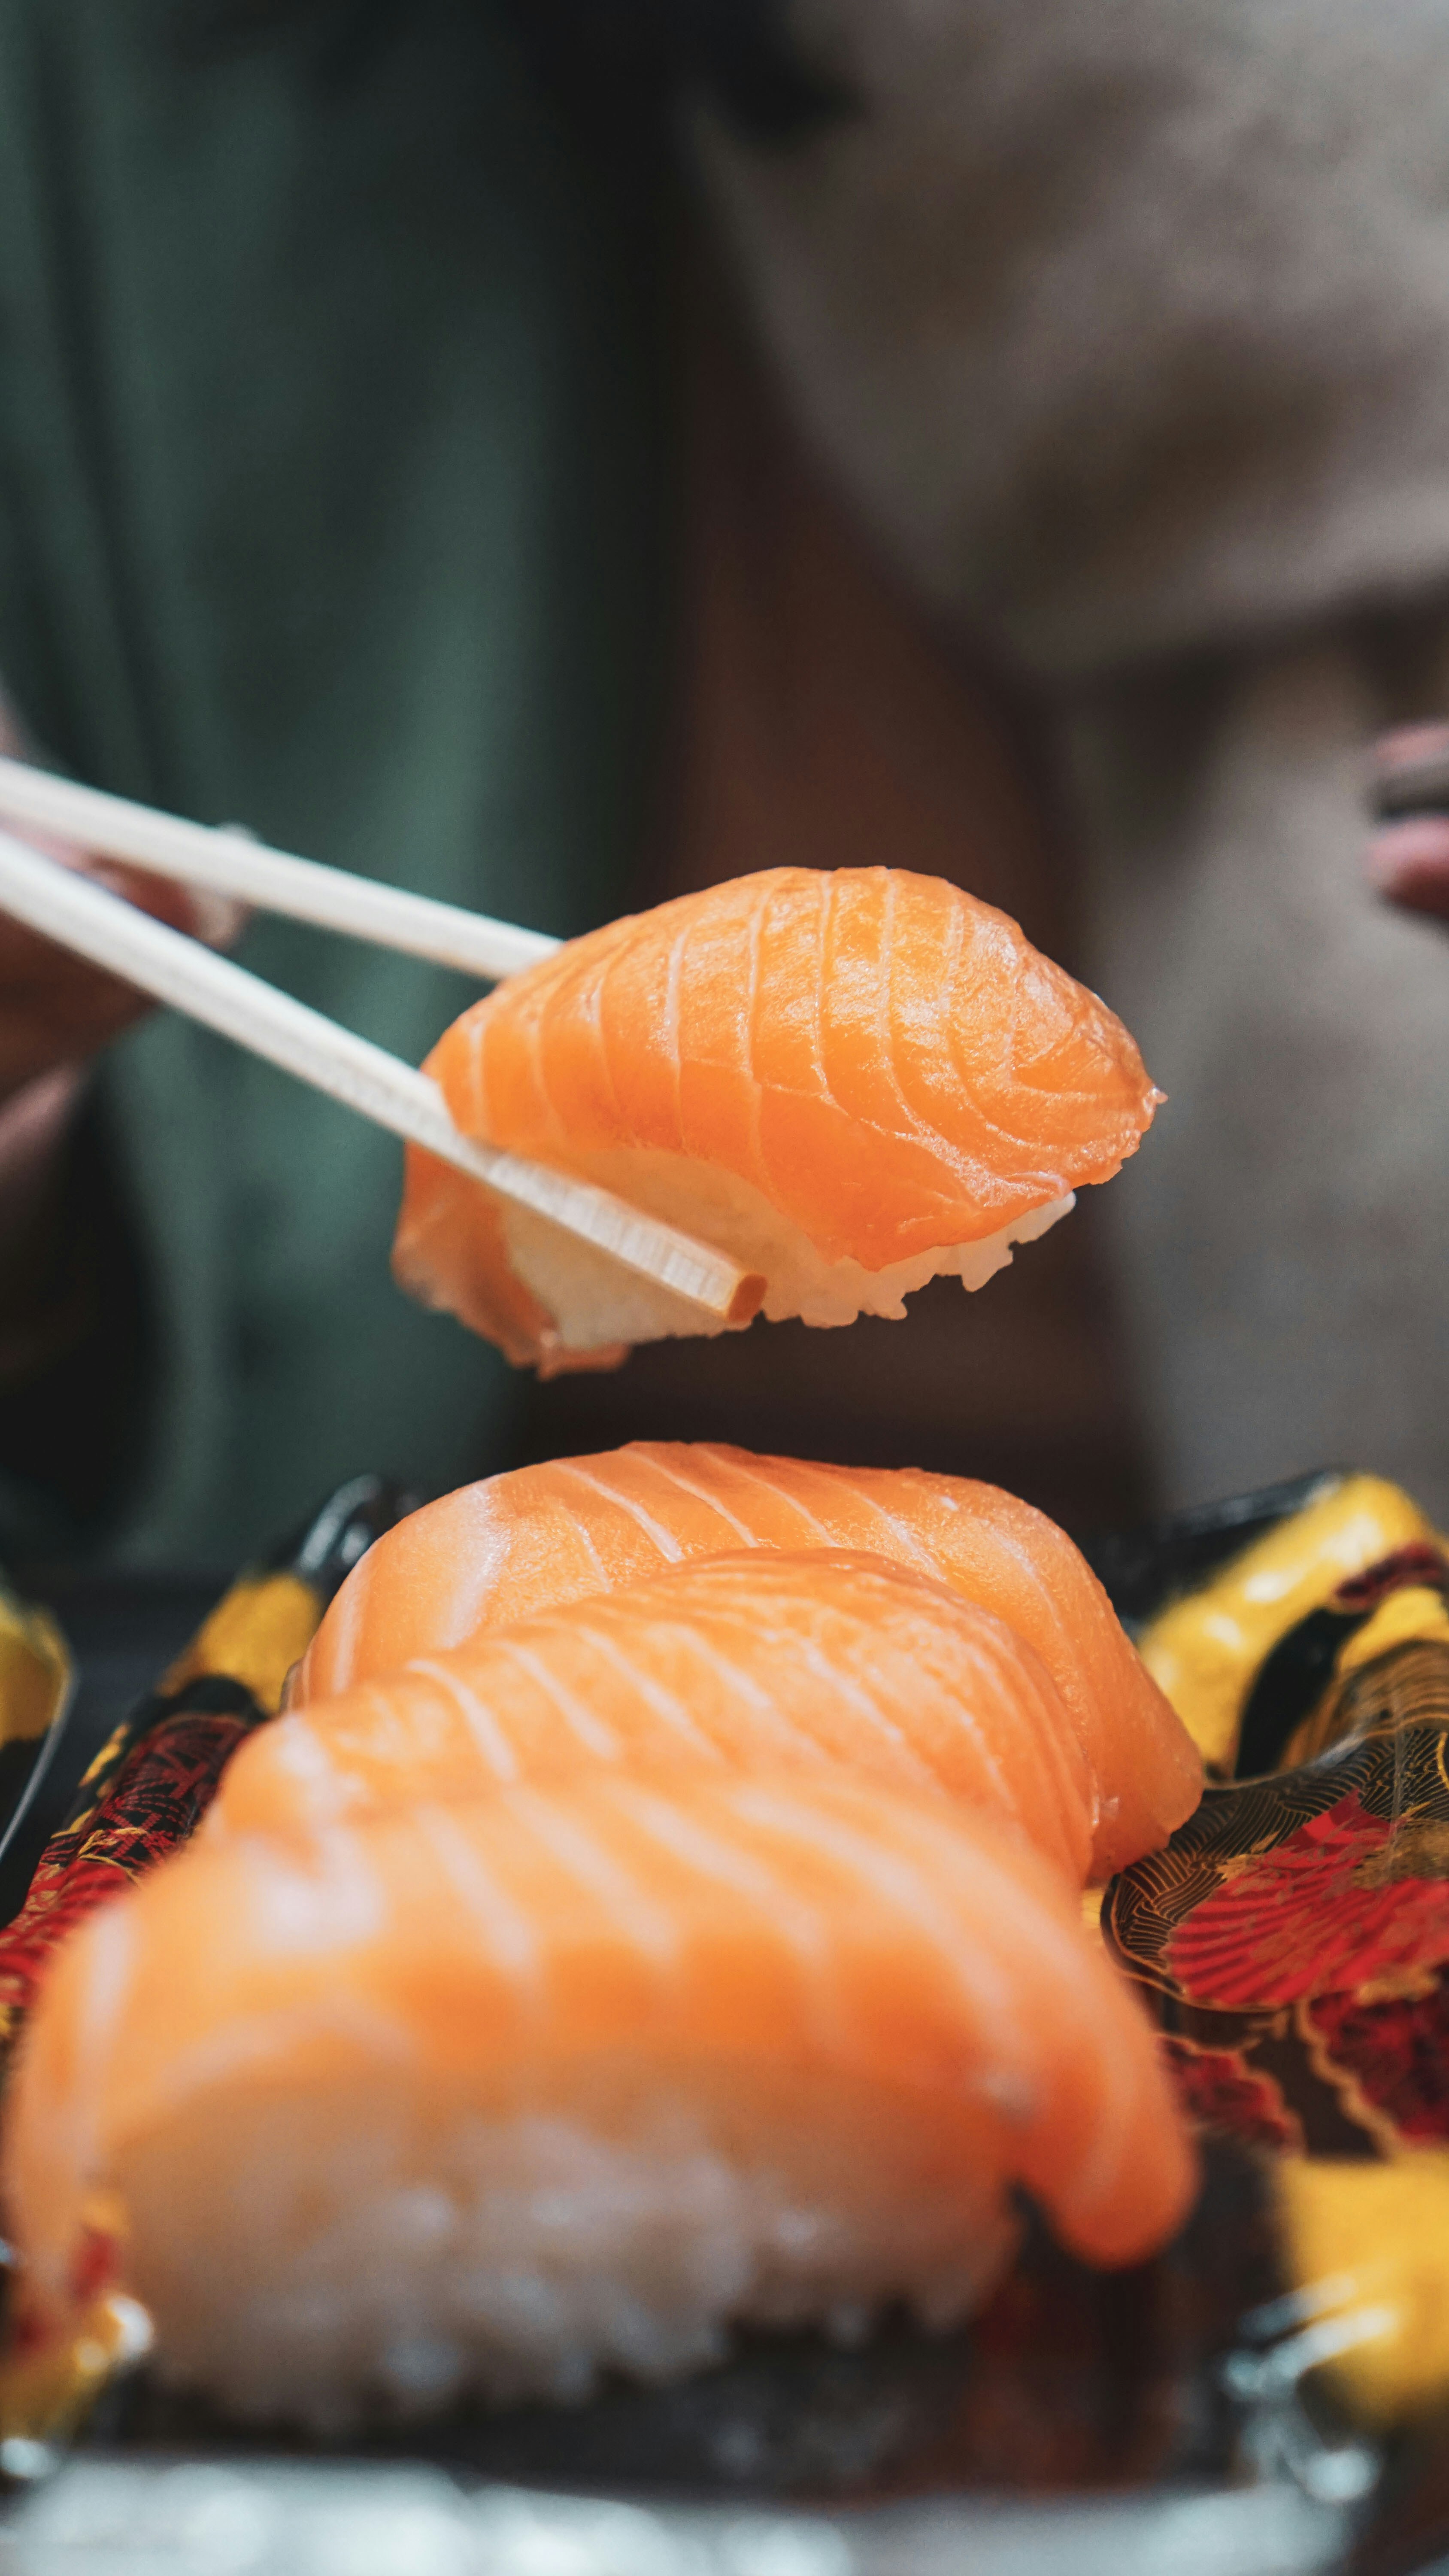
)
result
[(331, 477)]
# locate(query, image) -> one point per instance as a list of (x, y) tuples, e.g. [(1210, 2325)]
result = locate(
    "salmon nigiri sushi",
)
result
[(847, 1080), (523, 1542), (492, 2098), (747, 1662)]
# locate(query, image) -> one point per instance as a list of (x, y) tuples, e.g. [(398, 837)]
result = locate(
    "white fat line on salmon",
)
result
[(903, 1674), (701, 1494), (591, 1731), (950, 969), (597, 993), (474, 1032), (260, 2039), (292, 1909), (755, 945), (976, 1976), (906, 1541), (839, 1682), (575, 1533), (801, 1925), (298, 1750), (820, 953), (761, 1700), (666, 1706), (669, 1027), (1033, 1574), (907, 1122), (507, 1929), (576, 1850), (968, 1076), (922, 1130), (478, 1718), (663, 1539), (1056, 1937), (735, 1460), (532, 1023), (704, 1647), (482, 1556)]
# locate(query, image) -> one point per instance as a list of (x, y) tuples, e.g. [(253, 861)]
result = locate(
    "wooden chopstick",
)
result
[(231, 863), (65, 906)]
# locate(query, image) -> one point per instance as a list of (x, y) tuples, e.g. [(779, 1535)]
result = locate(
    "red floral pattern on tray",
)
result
[(140, 1799), (1304, 1919), (1220, 2089), (1395, 2050), (1320, 1909)]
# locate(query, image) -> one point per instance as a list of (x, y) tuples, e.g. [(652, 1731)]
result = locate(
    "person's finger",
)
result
[(1407, 858), (1408, 863), (58, 1009), (214, 919)]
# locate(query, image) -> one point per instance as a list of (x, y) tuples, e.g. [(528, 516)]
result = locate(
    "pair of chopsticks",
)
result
[(65, 906)]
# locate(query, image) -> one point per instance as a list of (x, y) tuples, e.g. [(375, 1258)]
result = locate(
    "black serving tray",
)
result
[(1086, 2425)]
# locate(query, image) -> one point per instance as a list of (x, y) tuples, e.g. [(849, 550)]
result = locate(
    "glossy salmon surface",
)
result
[(749, 1662), (804, 1068), (514, 1545), (769, 1953)]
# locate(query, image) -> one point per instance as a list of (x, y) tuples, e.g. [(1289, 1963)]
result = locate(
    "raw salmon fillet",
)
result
[(492, 2096), (516, 1544), (849, 1081), (748, 1662)]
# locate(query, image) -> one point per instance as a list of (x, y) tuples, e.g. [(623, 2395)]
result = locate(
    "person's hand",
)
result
[(56, 1011), (55, 1008), (1408, 856)]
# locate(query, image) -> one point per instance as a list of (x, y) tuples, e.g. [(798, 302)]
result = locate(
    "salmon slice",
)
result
[(495, 2096), (516, 1544), (850, 1081), (750, 1661)]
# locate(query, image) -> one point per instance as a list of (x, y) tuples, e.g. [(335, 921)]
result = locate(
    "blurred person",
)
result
[(354, 483), (1125, 336), (1127, 332)]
